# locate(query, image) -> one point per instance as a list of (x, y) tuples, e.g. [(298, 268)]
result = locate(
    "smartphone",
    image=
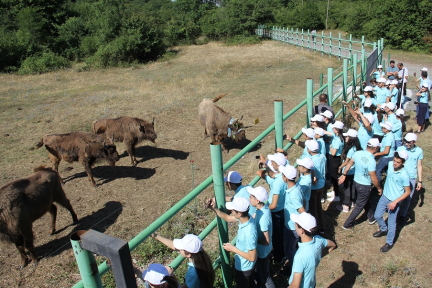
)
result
[(257, 157)]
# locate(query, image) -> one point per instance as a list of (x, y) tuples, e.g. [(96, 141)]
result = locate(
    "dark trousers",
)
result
[(245, 279), (315, 207), (291, 246), (363, 193), (334, 163), (348, 190), (278, 220), (262, 273)]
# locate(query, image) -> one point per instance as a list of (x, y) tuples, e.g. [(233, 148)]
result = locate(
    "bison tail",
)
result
[(37, 145), (219, 97), (94, 126)]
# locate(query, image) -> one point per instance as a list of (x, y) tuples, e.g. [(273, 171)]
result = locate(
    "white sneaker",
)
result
[(352, 205), (342, 208), (330, 194)]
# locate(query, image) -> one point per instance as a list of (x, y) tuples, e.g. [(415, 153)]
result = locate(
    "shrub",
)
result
[(42, 63), (243, 40)]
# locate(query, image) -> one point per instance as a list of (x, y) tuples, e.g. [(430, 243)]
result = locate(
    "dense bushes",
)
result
[(44, 62)]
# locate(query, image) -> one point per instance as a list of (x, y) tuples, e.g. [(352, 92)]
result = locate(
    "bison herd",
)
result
[(25, 200)]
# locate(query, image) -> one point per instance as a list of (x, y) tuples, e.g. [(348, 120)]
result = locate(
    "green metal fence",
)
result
[(353, 70)]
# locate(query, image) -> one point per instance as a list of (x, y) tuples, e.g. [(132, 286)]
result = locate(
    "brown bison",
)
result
[(218, 124), (86, 148), (128, 130), (24, 201)]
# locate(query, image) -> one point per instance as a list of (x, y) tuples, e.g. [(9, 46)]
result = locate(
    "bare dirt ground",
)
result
[(130, 198)]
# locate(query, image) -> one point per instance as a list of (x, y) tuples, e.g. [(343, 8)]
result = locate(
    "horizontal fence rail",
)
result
[(334, 99)]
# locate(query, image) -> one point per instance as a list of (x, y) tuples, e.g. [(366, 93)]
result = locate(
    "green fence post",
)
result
[(322, 43), (374, 45), (340, 50), (309, 97), (388, 58), (363, 59), (292, 35), (330, 44), (384, 66), (302, 39), (278, 108), (86, 263), (219, 188), (379, 53), (330, 86), (344, 85), (350, 46), (354, 63), (321, 79), (297, 39), (363, 43)]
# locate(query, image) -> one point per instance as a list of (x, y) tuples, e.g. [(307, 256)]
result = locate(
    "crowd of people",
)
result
[(284, 223)]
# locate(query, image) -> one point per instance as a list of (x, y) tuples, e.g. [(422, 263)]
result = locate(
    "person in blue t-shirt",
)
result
[(352, 145), (389, 115), (383, 94), (308, 256), (364, 175), (387, 149), (399, 127), (394, 92), (263, 220), (422, 104), (319, 137), (396, 189), (246, 244), (392, 70), (365, 121), (309, 134), (378, 73), (157, 275), (305, 180), (200, 273)]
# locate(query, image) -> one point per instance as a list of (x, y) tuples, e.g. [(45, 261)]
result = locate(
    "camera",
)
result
[(416, 102)]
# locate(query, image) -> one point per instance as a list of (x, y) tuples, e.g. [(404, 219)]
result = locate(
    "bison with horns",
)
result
[(218, 124), (86, 148), (25, 200), (128, 130)]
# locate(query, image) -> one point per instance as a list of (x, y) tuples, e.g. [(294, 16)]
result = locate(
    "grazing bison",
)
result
[(25, 200), (86, 148), (218, 124), (128, 130)]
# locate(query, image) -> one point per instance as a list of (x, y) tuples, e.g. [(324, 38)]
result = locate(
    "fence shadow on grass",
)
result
[(151, 152), (348, 280), (99, 221)]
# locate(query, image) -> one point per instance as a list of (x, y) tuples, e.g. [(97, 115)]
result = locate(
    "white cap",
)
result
[(319, 131), (233, 177), (305, 162), (279, 158), (155, 274), (381, 80), (328, 114), (239, 204), (304, 220), (367, 88), (394, 82), (403, 154), (317, 118), (190, 243), (367, 103), (410, 137), (374, 142), (338, 125), (369, 117), (289, 171), (387, 125), (259, 192), (400, 112), (383, 106), (424, 69), (309, 132), (425, 85), (379, 66), (391, 105), (388, 82), (312, 145), (350, 133), (268, 163)]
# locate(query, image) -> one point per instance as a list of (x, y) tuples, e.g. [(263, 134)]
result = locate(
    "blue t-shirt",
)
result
[(427, 80), (305, 153), (191, 277), (390, 118), (322, 146), (293, 202), (382, 94), (424, 97), (364, 163), (364, 135), (363, 100), (337, 144), (241, 191), (394, 95), (263, 219), (414, 155), (376, 127), (277, 187), (305, 182), (388, 140), (319, 161), (307, 259), (349, 156), (247, 238), (397, 130), (394, 69), (327, 138), (395, 183)]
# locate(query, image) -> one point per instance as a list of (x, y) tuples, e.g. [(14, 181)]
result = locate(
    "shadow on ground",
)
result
[(349, 278), (151, 152)]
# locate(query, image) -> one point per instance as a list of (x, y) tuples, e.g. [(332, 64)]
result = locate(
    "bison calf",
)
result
[(25, 200), (128, 130), (218, 124), (86, 148)]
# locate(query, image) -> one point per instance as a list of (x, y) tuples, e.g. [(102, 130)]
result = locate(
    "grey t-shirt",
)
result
[(394, 69), (321, 108)]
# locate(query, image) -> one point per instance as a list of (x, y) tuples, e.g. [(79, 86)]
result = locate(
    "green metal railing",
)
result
[(218, 169)]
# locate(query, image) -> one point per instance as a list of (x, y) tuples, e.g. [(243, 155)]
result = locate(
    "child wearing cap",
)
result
[(414, 167), (387, 149), (263, 220), (293, 204), (305, 180), (317, 121), (319, 137), (378, 73), (200, 271), (423, 105), (396, 189), (157, 276), (383, 94), (276, 201), (246, 243), (309, 134), (394, 92), (352, 145), (308, 256), (364, 175), (389, 115), (399, 127), (376, 127), (365, 121)]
